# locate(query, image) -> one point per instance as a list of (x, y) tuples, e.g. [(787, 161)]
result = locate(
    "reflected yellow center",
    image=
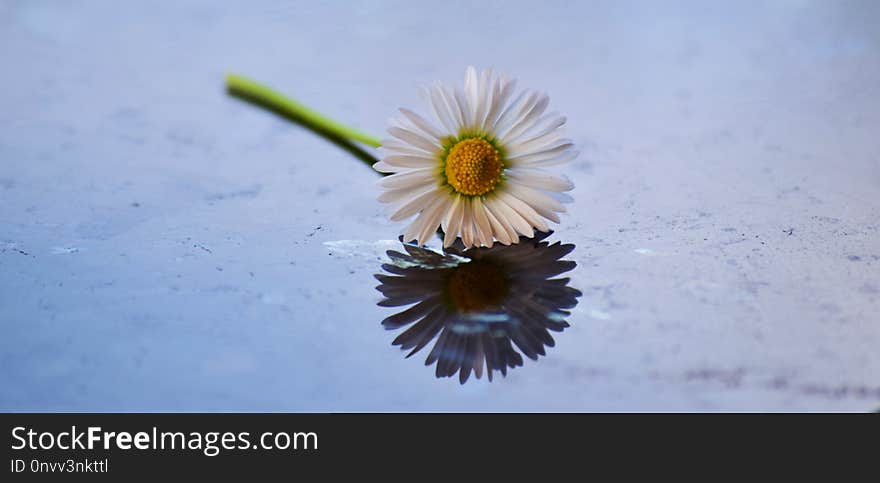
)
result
[(476, 286), (473, 167)]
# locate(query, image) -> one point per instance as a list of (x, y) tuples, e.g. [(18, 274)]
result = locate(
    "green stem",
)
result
[(275, 101)]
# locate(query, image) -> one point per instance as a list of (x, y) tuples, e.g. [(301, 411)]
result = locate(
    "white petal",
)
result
[(561, 159), (383, 167), (464, 107), (523, 103), (423, 124), (541, 203), (478, 234), (432, 220), (413, 206), (556, 146), (524, 210), (404, 194), (467, 224), (547, 124), (505, 89), (483, 95), (481, 221), (409, 161), (415, 139), (519, 148), (441, 111), (423, 221), (493, 96), (539, 179), (527, 119), (452, 222), (453, 107), (406, 179), (557, 151), (509, 216), (545, 144), (549, 161), (499, 230), (396, 146), (472, 94)]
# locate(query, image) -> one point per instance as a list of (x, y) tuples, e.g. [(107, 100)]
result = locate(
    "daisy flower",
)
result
[(476, 170), (479, 305)]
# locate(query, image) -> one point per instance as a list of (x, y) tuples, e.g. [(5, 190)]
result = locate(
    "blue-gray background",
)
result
[(166, 247)]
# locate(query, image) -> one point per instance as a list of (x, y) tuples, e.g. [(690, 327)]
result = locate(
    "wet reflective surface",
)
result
[(479, 303), (165, 246)]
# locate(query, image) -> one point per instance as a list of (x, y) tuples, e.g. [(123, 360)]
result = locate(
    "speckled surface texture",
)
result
[(166, 247)]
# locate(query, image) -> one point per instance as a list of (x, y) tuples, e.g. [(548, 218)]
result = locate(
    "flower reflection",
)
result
[(480, 304)]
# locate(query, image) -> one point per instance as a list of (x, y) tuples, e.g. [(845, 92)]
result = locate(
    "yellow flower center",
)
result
[(473, 167), (475, 286)]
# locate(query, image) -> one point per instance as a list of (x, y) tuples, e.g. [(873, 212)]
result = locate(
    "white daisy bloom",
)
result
[(477, 172)]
